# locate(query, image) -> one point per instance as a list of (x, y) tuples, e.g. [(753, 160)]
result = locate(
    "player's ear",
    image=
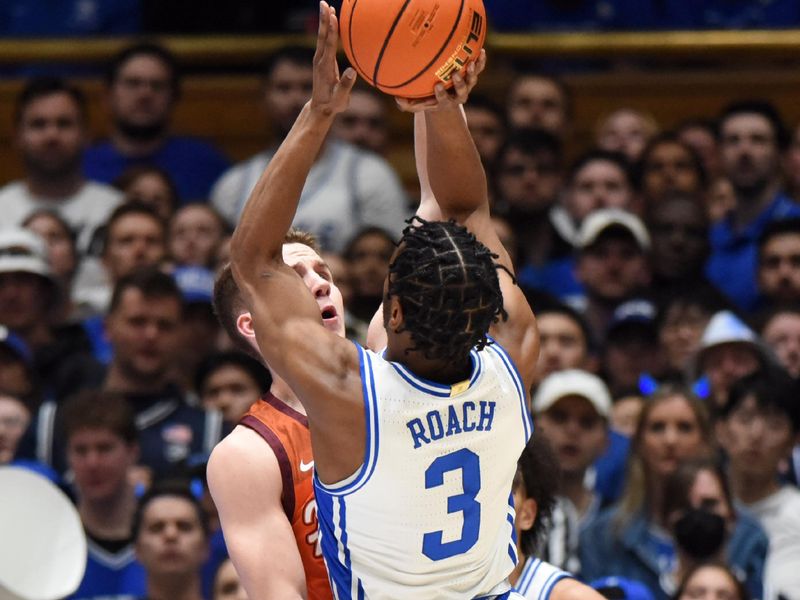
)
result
[(526, 513), (244, 323), (395, 314)]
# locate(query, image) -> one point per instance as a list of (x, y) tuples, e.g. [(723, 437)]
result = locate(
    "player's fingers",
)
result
[(322, 34), (441, 93), (460, 86), (347, 81), (332, 39), (471, 76), (480, 64)]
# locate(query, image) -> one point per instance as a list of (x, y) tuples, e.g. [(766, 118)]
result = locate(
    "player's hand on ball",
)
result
[(445, 99), (331, 92)]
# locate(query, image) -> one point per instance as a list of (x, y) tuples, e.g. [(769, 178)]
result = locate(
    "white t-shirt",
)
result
[(85, 210), (779, 515), (347, 189)]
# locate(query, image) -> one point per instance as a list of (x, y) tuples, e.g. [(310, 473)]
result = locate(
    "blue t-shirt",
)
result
[(43, 18), (734, 254), (194, 165), (111, 575)]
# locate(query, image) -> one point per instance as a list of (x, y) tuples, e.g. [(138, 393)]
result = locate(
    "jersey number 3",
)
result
[(470, 466)]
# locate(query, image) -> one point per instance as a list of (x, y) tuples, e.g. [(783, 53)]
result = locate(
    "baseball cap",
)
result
[(196, 284), (22, 251), (726, 328), (603, 219), (619, 588), (638, 314), (572, 382)]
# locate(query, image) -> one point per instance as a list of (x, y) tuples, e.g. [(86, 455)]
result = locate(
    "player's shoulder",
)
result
[(243, 459)]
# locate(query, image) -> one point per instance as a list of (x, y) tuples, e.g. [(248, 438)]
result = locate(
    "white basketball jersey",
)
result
[(538, 578), (429, 514)]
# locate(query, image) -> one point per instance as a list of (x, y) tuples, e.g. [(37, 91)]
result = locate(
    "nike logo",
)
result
[(305, 467)]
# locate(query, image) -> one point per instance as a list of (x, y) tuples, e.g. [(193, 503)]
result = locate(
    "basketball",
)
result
[(406, 47)]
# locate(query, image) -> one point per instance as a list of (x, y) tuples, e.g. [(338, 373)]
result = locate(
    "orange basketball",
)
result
[(406, 47)]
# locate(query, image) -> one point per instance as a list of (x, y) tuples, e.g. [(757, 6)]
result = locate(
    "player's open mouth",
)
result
[(329, 313)]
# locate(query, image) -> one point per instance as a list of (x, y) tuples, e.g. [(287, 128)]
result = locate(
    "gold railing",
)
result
[(238, 50)]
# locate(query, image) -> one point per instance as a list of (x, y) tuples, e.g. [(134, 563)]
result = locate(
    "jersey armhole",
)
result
[(357, 480), (527, 420), (287, 480)]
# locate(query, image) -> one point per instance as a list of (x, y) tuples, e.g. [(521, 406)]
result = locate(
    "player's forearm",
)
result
[(455, 172), (421, 159), (272, 205)]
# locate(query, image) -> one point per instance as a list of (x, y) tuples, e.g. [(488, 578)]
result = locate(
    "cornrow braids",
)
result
[(447, 285)]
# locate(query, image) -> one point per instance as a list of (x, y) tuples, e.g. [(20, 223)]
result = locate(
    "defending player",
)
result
[(260, 475), (416, 449)]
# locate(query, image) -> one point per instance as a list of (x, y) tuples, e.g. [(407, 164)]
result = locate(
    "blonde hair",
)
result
[(635, 497)]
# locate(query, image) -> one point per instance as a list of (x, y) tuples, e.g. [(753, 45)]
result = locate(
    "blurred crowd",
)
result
[(663, 267)]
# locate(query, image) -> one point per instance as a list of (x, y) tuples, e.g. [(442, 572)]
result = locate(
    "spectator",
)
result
[(51, 120), (778, 270), (625, 412), (791, 165), (571, 409), (527, 181), (171, 538), (701, 136), (682, 319), (367, 255), (149, 185), (539, 101), (625, 540), (15, 416), (346, 189), (612, 263), (365, 123), (711, 580), (780, 330), (143, 327), (102, 448), (631, 347), (757, 429), (627, 131), (29, 301), (487, 126), (199, 333), (729, 350), (564, 340), (143, 88), (706, 525), (16, 375), (669, 166), (231, 382), (533, 491), (21, 18), (227, 585), (678, 227), (597, 179), (752, 137), (134, 237), (62, 253), (195, 234)]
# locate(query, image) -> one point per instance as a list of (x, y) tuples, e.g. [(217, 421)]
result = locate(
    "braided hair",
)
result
[(447, 285)]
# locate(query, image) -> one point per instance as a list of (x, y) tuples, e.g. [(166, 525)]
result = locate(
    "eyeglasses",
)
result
[(519, 169)]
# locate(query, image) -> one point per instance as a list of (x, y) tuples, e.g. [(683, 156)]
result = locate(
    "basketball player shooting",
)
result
[(415, 447)]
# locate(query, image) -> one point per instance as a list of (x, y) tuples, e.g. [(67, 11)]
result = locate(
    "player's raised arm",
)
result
[(458, 185), (286, 318), (272, 204)]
